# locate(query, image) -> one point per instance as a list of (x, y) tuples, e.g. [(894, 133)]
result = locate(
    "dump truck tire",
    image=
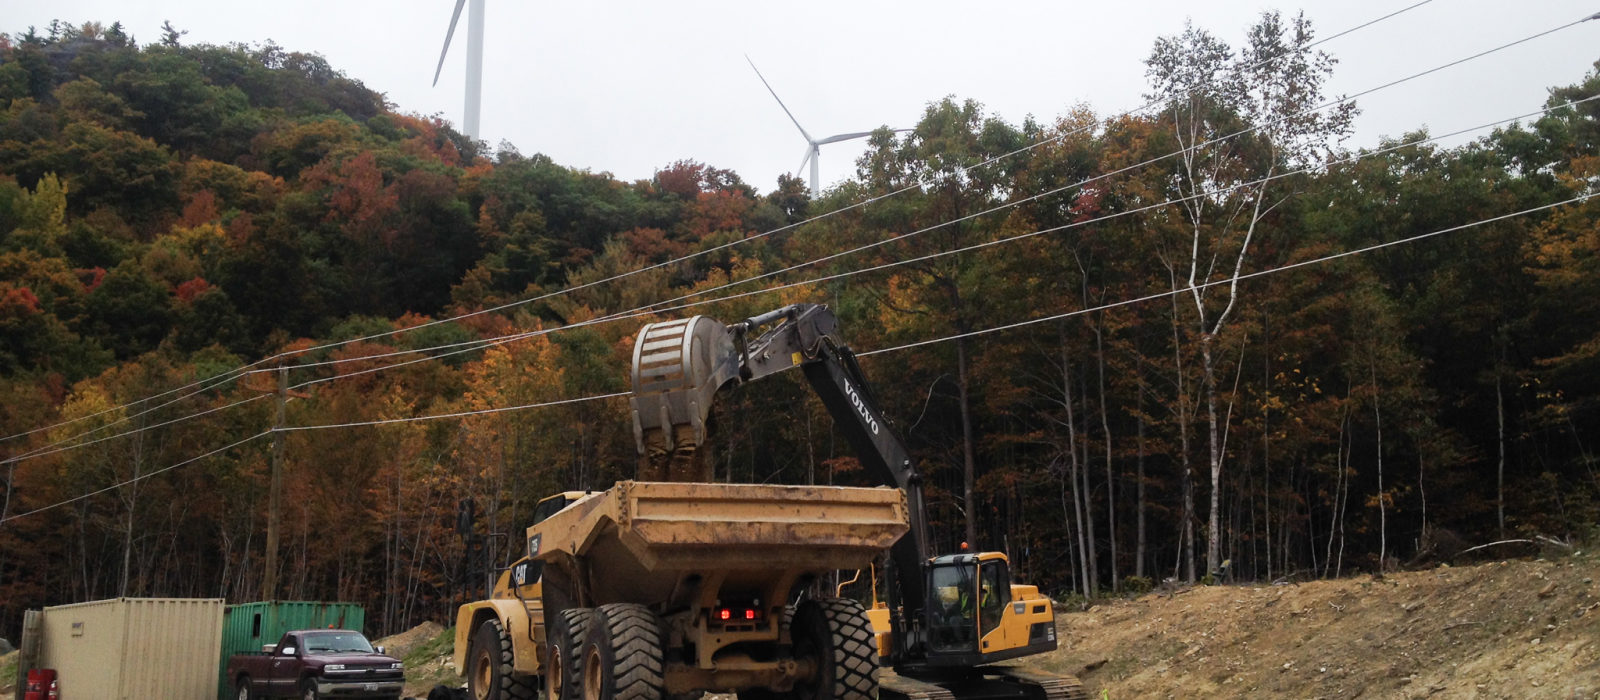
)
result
[(490, 666), (622, 657), (563, 677), (835, 633)]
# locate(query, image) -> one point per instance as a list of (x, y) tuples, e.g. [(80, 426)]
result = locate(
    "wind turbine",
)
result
[(469, 119), (813, 146)]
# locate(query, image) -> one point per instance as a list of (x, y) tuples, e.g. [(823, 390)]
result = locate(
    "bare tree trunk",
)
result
[(1500, 469), (1080, 496), (1213, 529), (1139, 548), (129, 495), (1333, 513), (1344, 497), (1088, 513), (1266, 437), (1383, 513), (1422, 458), (1186, 536), (1067, 514), (968, 462), (1111, 479)]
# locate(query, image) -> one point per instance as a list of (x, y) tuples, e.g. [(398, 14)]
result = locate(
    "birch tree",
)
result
[(1240, 119)]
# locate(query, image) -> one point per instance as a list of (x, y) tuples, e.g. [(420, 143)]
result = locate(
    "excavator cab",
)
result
[(968, 597)]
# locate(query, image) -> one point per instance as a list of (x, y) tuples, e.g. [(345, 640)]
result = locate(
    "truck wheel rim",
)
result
[(482, 674), (591, 674), (558, 676), (244, 691)]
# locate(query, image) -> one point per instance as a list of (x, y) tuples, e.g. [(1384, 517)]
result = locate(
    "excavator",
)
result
[(671, 585), (948, 619)]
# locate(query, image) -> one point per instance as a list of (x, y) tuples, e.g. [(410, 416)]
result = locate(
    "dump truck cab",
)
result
[(513, 615)]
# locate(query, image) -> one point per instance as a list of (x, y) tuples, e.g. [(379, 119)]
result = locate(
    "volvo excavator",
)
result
[(949, 618), (671, 585)]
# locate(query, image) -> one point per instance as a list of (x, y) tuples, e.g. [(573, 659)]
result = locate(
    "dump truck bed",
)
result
[(639, 539)]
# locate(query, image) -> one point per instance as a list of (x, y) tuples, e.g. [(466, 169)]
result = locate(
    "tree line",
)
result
[(171, 213)]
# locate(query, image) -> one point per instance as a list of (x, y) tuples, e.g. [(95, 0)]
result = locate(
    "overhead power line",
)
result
[(897, 348), (641, 310), (1185, 289), (646, 310), (251, 368), (136, 479)]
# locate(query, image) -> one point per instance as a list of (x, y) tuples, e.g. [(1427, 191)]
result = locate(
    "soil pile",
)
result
[(1522, 629)]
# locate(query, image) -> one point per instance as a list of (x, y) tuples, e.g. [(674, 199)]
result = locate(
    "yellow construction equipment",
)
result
[(668, 588)]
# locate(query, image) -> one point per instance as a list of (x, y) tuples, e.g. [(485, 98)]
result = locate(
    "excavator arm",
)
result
[(679, 366)]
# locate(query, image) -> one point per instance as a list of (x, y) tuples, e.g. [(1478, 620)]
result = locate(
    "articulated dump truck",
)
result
[(652, 590), (668, 588)]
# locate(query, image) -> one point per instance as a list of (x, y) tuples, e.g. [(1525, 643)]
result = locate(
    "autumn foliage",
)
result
[(171, 214)]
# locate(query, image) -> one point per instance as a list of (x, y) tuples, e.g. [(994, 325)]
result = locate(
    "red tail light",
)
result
[(725, 614)]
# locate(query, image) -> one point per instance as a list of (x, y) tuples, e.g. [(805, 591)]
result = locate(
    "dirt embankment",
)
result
[(1517, 629)]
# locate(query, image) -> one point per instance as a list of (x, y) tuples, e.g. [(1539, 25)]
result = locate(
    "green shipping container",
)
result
[(247, 626)]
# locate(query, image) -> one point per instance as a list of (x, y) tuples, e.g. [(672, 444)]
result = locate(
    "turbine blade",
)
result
[(454, 17), (810, 151), (844, 137), (780, 102)]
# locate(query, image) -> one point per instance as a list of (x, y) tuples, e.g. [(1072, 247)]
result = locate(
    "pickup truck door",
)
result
[(283, 668)]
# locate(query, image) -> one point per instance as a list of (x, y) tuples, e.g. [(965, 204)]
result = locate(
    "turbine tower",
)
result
[(469, 117), (813, 146)]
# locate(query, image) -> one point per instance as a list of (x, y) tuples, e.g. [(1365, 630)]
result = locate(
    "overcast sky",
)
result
[(629, 87)]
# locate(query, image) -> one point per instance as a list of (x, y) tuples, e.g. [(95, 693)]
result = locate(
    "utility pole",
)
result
[(269, 584)]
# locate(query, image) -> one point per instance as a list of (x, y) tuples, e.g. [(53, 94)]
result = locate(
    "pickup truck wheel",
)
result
[(490, 666), (565, 669), (308, 689), (835, 634), (244, 689), (622, 657)]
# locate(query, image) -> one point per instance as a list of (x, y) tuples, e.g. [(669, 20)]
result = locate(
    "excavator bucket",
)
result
[(677, 368)]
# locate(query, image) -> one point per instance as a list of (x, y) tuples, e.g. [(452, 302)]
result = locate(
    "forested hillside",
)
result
[(179, 222)]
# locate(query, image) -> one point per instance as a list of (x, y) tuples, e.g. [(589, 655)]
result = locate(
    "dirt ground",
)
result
[(1513, 629)]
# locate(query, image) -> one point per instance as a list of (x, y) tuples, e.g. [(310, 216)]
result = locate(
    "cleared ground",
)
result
[(1512, 629)]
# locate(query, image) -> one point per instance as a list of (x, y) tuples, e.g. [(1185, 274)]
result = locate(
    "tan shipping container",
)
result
[(134, 648)]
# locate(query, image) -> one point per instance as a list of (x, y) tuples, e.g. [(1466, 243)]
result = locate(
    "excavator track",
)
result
[(1055, 687), (893, 686), (988, 683)]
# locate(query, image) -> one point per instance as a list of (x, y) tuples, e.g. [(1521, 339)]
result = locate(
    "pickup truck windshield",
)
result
[(336, 643)]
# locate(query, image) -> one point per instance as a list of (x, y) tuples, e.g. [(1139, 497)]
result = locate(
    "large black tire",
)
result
[(243, 689), (563, 673), (490, 660), (835, 634), (622, 657), (308, 689)]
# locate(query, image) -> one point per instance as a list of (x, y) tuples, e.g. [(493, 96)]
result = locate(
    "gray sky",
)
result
[(629, 87)]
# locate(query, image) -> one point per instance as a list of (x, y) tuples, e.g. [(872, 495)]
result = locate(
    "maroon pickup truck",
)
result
[(313, 664)]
